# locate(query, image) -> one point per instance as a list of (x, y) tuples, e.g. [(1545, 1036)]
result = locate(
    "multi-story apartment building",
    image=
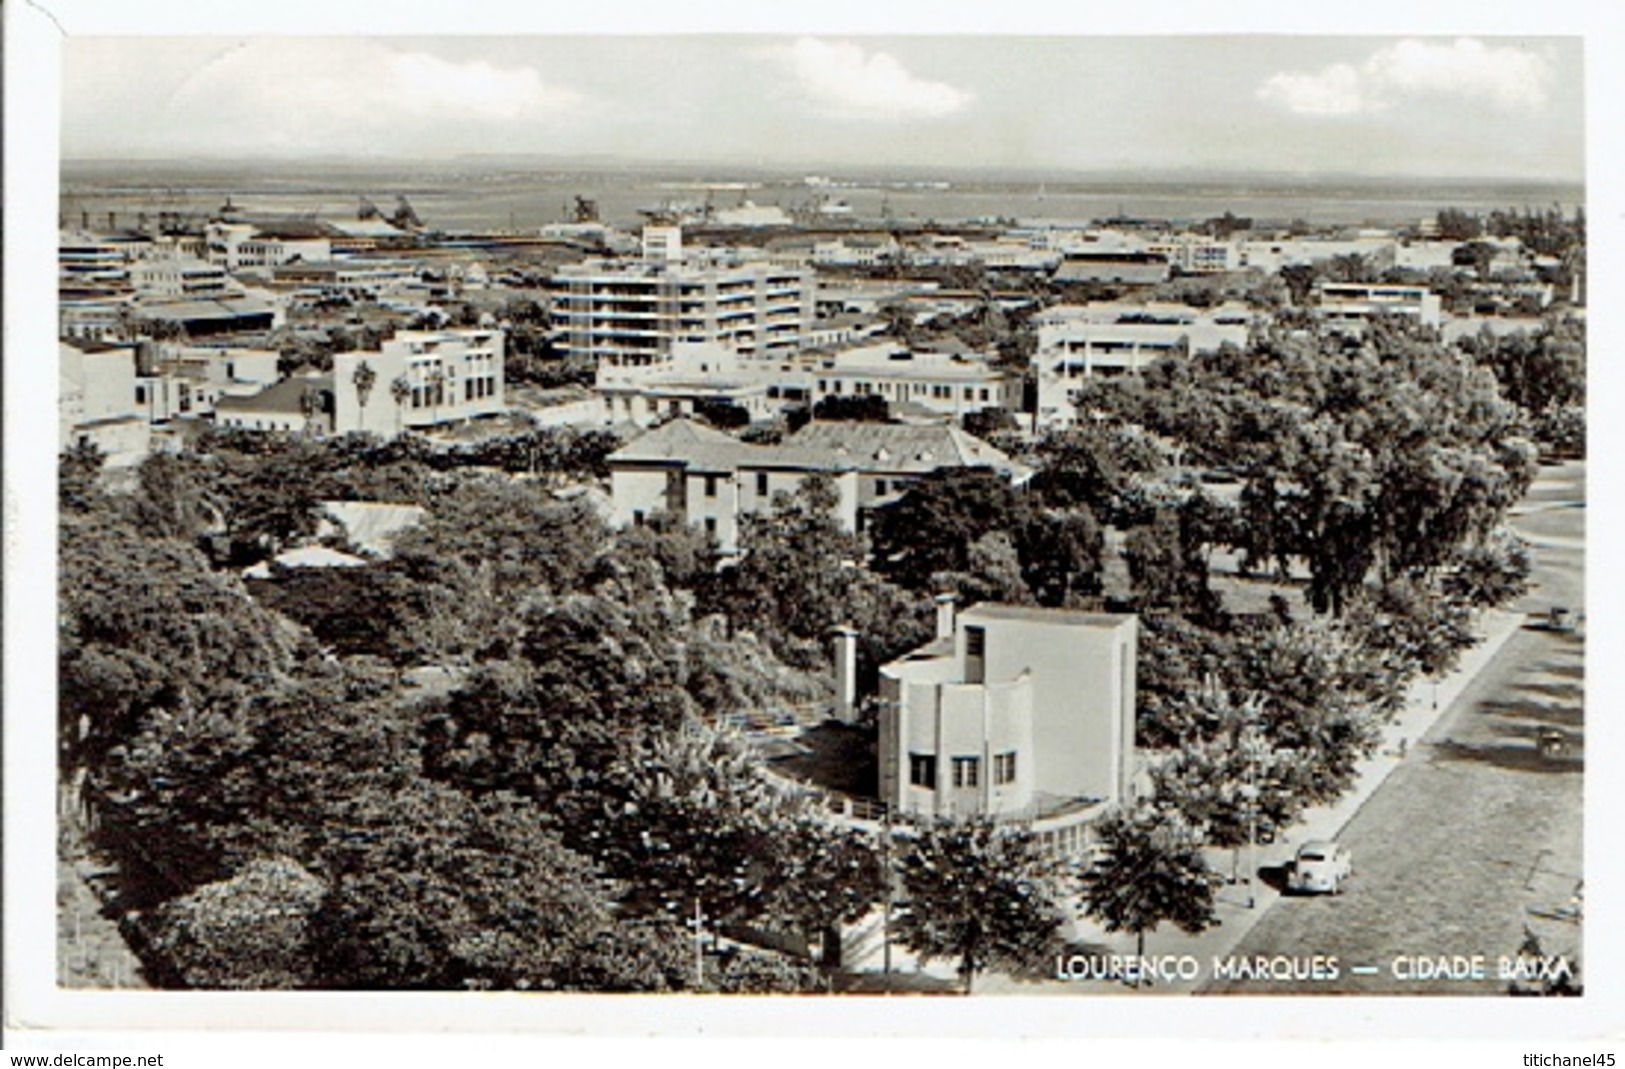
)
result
[(1011, 712), (1079, 341), (631, 312)]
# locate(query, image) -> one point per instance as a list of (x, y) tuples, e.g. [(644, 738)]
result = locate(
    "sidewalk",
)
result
[(1424, 704)]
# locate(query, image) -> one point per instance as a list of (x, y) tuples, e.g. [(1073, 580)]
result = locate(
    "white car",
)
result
[(1320, 868)]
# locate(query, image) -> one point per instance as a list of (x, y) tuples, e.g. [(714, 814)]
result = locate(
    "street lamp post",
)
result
[(699, 947), (1252, 823)]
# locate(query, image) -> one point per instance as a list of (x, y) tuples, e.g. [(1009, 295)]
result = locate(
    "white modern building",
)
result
[(181, 279), (96, 401), (630, 312), (1349, 306), (177, 381), (1011, 712), (417, 379), (950, 384), (1076, 342)]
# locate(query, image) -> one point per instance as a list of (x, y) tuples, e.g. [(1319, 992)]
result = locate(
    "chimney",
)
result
[(846, 675), (945, 615)]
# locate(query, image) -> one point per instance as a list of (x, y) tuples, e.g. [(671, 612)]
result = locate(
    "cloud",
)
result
[(422, 81), (1504, 77), (873, 85), (330, 94)]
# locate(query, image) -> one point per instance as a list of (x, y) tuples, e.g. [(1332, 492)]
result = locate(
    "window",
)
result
[(880, 487), (967, 771), (975, 642), (637, 517), (1004, 768), (922, 770), (710, 486), (761, 484), (711, 526)]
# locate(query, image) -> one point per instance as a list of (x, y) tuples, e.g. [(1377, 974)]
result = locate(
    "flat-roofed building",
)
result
[(181, 279), (1076, 342), (631, 312), (1124, 267), (418, 379), (96, 401), (1348, 306), (301, 404), (1011, 712), (951, 384)]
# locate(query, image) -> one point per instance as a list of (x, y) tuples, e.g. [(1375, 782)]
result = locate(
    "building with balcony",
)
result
[(1348, 306), (1076, 342), (631, 312), (1011, 712)]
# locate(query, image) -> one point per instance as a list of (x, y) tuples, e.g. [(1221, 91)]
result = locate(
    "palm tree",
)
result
[(364, 378), (401, 390)]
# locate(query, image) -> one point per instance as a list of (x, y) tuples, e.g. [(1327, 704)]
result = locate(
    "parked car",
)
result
[(1320, 868)]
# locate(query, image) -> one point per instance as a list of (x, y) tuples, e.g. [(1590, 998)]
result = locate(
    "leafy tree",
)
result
[(204, 791), (1151, 871), (986, 423), (992, 573), (823, 877), (692, 821), (1424, 631), (978, 894), (800, 575), (724, 414), (1454, 224), (496, 544), (250, 932), (433, 891), (931, 528), (145, 624), (1061, 556), (1490, 574), (1167, 572), (79, 470), (867, 408), (743, 970), (177, 496)]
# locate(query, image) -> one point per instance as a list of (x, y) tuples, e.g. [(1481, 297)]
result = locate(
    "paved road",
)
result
[(1475, 835)]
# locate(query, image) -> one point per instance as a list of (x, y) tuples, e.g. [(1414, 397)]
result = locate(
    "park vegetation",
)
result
[(507, 756)]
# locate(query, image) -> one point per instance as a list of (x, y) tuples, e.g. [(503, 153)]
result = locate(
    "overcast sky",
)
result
[(1425, 106)]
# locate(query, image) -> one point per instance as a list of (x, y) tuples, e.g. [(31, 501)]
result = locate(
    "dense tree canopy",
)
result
[(977, 894)]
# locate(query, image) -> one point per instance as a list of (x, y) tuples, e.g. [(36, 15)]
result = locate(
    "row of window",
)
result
[(963, 771), (904, 389)]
